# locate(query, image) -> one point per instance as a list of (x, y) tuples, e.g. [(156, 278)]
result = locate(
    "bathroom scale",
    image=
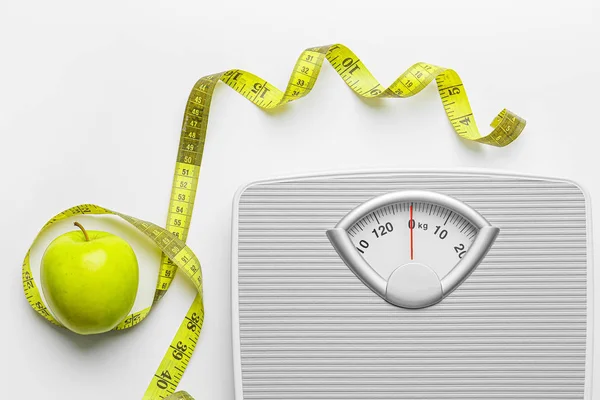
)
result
[(412, 285)]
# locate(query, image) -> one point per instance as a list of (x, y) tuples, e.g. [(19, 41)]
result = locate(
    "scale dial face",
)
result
[(412, 248), (412, 231)]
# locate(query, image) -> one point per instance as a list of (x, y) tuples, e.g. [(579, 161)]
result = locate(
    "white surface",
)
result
[(91, 101)]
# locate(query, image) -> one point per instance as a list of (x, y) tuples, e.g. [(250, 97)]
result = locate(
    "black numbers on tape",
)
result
[(164, 379), (177, 354), (181, 346), (453, 91), (166, 374), (193, 321), (162, 384)]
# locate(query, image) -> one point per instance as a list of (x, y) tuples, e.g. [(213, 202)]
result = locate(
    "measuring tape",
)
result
[(176, 255)]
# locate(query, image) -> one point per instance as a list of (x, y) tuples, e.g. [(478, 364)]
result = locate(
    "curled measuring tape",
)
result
[(176, 255)]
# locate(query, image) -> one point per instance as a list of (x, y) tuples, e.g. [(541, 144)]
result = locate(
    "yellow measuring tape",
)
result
[(176, 255)]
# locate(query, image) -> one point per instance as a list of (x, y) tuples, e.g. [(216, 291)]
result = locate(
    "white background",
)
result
[(91, 100)]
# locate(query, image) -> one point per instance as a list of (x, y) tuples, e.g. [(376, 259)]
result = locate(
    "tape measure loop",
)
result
[(176, 255)]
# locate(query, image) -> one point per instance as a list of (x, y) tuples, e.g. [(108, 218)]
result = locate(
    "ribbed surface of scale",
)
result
[(310, 330)]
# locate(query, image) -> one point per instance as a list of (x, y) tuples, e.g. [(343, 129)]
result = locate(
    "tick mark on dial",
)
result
[(448, 218)]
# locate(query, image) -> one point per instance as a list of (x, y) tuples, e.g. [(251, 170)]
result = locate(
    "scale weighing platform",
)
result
[(412, 285)]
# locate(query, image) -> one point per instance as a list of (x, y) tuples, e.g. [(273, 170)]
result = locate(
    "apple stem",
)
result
[(87, 238)]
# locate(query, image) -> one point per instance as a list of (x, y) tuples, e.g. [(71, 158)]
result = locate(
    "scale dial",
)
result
[(412, 231), (412, 248)]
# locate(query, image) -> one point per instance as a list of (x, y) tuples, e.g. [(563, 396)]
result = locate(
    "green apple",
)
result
[(90, 280)]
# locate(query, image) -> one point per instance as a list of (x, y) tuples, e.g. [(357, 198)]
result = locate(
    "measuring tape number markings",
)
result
[(176, 255)]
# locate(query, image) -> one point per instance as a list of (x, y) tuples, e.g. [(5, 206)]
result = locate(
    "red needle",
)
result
[(411, 224)]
